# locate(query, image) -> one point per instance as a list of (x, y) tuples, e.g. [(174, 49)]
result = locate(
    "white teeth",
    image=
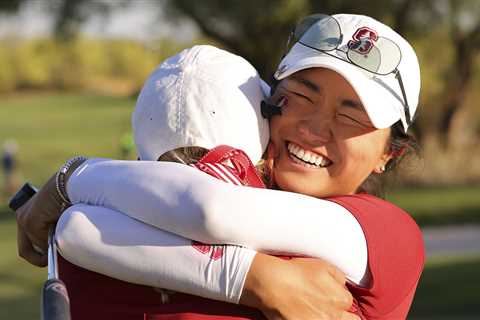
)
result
[(300, 153), (308, 157)]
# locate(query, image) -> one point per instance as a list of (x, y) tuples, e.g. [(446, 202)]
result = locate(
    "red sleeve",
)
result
[(396, 256)]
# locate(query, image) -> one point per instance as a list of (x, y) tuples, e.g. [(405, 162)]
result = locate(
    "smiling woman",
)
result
[(325, 119)]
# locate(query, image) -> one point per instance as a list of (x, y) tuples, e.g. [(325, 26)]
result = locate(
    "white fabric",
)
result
[(111, 243), (204, 97), (380, 94), (187, 202)]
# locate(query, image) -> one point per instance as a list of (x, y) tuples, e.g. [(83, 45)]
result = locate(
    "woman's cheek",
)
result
[(357, 158)]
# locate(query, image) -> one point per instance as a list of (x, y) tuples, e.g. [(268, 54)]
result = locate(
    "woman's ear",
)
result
[(382, 162)]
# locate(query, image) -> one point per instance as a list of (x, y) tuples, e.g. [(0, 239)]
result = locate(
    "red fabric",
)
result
[(396, 256), (97, 297), (243, 167)]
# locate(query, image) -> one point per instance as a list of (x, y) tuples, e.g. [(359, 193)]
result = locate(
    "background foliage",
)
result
[(117, 67)]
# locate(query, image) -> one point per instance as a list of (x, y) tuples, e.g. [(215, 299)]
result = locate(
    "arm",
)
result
[(310, 283), (98, 238), (182, 200), (95, 238)]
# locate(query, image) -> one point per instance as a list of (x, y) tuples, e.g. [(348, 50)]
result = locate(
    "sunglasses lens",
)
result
[(380, 57), (370, 60), (321, 32)]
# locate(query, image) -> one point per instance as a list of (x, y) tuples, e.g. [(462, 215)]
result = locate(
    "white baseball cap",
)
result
[(380, 94), (204, 97)]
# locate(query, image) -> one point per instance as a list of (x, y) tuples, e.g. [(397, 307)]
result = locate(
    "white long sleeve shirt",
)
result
[(113, 244), (189, 203)]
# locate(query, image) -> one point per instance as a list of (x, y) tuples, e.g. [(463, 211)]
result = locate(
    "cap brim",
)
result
[(381, 104)]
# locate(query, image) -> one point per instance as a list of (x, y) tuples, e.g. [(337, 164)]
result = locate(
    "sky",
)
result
[(141, 20)]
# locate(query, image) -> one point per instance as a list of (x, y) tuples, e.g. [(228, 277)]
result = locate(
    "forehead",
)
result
[(316, 74), (318, 79)]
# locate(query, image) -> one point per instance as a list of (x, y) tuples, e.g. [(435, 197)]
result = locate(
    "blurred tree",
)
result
[(31, 65), (70, 14), (7, 71), (11, 5), (258, 29), (255, 29), (463, 22)]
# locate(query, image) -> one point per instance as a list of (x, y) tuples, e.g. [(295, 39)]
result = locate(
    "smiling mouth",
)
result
[(307, 158)]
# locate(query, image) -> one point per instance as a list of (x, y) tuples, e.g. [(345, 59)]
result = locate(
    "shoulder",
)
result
[(396, 253), (372, 211), (386, 226)]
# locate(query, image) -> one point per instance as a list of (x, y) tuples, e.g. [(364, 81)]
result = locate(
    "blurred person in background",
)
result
[(9, 166), (363, 135)]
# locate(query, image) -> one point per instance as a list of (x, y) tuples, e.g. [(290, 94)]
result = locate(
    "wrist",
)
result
[(259, 291), (72, 169), (62, 176)]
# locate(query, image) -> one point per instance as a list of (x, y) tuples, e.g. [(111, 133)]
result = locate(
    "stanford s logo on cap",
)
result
[(363, 40)]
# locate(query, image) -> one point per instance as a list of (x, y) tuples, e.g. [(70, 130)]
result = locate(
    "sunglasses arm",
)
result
[(402, 88)]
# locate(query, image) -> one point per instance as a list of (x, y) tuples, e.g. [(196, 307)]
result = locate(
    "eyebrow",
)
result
[(317, 89), (307, 83), (352, 104)]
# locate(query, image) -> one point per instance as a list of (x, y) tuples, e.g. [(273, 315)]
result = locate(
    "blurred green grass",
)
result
[(20, 283), (439, 205), (50, 128), (449, 289)]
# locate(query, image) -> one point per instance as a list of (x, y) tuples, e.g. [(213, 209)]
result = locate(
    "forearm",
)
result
[(97, 238), (187, 202), (144, 190)]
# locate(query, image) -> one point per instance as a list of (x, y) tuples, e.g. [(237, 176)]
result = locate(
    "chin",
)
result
[(294, 184)]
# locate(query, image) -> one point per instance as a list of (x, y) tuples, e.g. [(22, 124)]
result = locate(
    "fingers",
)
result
[(349, 316), (344, 297), (340, 295), (40, 244), (28, 252)]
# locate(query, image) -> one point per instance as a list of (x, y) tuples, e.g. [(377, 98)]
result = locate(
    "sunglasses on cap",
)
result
[(382, 56)]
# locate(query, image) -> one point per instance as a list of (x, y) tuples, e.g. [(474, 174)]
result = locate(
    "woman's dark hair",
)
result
[(401, 145)]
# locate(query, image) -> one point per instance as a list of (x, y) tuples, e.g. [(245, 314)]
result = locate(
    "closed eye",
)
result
[(301, 96), (355, 120), (352, 104)]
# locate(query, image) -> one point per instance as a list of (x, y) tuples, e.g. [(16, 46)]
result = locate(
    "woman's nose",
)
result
[(314, 131)]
